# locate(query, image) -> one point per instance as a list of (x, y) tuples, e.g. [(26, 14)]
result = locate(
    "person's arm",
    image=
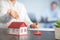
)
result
[(27, 19), (5, 19)]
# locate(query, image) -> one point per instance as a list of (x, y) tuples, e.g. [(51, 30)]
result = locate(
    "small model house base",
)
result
[(17, 29)]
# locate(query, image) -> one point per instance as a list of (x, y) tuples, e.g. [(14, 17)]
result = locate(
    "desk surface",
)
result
[(42, 29), (46, 35)]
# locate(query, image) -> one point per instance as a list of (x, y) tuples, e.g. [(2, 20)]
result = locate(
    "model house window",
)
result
[(21, 30), (24, 30)]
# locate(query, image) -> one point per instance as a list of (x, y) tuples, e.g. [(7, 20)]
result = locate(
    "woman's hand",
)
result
[(13, 13), (34, 25)]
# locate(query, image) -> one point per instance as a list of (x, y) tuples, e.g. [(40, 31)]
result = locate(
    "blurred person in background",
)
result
[(51, 15)]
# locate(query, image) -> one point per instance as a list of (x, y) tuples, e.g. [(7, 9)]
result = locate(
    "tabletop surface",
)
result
[(46, 35)]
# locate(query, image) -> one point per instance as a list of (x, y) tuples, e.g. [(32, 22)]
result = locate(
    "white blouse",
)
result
[(19, 8)]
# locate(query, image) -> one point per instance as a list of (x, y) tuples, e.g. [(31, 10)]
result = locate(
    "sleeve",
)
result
[(5, 19), (26, 17)]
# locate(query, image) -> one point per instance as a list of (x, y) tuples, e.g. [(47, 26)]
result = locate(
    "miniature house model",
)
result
[(17, 28)]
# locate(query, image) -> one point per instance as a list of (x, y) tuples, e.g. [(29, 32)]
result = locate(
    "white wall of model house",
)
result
[(13, 31), (23, 30), (20, 31)]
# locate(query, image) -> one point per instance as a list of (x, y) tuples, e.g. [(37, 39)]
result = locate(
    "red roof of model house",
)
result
[(17, 25)]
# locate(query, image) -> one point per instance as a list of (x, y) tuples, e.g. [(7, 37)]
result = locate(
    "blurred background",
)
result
[(35, 8)]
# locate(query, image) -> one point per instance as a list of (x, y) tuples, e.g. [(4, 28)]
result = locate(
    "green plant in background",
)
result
[(58, 24)]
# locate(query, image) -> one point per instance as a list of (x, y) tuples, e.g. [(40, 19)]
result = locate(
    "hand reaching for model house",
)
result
[(13, 13)]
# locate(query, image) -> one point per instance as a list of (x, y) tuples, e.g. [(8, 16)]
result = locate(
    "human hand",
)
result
[(13, 13), (34, 25)]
